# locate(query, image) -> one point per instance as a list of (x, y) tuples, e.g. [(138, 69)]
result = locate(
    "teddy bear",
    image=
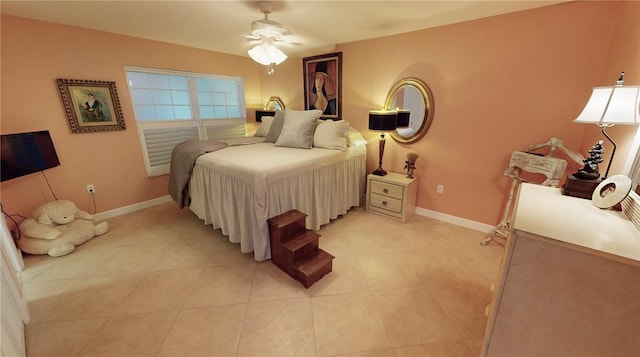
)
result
[(56, 228)]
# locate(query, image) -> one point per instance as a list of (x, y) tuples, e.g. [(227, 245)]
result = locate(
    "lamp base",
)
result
[(379, 171), (579, 188)]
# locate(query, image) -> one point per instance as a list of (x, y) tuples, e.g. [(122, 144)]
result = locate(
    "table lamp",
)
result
[(609, 106), (383, 121)]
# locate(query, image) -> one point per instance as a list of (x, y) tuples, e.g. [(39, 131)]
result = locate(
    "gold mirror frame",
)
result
[(273, 104), (428, 105)]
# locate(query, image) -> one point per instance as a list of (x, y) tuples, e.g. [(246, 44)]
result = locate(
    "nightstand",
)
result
[(392, 195)]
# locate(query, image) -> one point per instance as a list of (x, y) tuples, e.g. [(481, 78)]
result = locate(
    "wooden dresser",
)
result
[(569, 284)]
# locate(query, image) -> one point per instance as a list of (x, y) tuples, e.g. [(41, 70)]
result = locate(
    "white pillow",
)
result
[(331, 134), (263, 130), (354, 138), (298, 127)]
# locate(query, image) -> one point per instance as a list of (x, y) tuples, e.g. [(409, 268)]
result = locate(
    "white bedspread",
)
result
[(238, 188)]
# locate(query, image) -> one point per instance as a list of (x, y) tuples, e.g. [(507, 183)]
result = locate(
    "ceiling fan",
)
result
[(267, 33), (267, 30)]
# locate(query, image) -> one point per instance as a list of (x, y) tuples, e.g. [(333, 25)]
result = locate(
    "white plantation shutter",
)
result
[(158, 144), (231, 131), (171, 107)]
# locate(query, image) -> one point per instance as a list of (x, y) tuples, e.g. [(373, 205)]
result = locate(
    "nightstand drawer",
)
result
[(386, 202), (387, 189)]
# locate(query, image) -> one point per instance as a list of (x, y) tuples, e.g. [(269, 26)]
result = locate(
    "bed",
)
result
[(237, 188)]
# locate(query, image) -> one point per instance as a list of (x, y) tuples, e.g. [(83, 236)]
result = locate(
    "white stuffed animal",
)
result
[(56, 228)]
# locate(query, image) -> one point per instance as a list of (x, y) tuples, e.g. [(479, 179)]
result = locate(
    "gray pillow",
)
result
[(276, 127), (263, 130), (297, 130)]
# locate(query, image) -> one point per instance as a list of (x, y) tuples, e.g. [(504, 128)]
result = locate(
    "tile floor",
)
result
[(161, 283)]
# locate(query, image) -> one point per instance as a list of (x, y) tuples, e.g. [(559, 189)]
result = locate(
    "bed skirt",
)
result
[(241, 212)]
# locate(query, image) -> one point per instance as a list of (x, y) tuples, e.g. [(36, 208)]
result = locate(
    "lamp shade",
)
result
[(403, 118), (617, 105), (267, 54), (383, 120)]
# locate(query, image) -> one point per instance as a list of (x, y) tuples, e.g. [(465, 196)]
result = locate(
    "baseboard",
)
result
[(132, 208), (463, 222)]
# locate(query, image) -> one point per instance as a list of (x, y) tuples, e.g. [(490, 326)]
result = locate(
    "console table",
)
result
[(569, 283), (552, 168)]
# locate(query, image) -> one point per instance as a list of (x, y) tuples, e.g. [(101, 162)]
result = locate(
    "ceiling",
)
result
[(221, 25)]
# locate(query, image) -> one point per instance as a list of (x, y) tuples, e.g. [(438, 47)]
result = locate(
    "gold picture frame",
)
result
[(91, 106), (275, 103)]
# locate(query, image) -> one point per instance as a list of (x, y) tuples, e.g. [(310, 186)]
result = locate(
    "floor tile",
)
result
[(60, 338), (222, 286), (439, 349), (161, 283), (133, 259), (43, 296), (278, 328), (80, 263), (384, 271), (160, 291), (98, 296), (130, 335), (205, 331), (411, 316), (348, 323), (271, 283), (346, 276)]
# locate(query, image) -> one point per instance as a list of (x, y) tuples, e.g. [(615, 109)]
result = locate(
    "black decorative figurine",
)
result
[(584, 181), (590, 170)]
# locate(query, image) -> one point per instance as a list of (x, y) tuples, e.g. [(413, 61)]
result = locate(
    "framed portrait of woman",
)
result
[(323, 84), (91, 106)]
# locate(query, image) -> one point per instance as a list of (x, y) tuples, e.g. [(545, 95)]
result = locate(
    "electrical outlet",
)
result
[(91, 189), (440, 189)]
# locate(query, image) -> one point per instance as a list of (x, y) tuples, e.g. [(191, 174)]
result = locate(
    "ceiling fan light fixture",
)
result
[(267, 54)]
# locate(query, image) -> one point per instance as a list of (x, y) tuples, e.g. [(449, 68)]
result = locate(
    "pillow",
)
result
[(263, 129), (331, 134), (276, 127), (297, 130), (354, 138)]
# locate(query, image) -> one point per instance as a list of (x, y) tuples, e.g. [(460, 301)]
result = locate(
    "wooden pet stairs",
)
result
[(294, 249)]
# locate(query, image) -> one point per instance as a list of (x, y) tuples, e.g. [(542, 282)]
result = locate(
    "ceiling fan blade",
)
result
[(269, 30), (250, 38), (287, 40)]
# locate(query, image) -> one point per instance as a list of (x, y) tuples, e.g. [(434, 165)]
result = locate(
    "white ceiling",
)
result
[(221, 25)]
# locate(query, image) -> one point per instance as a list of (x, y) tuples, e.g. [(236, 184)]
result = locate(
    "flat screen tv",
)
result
[(25, 153)]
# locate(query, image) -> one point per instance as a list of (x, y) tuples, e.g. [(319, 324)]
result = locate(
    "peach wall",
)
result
[(622, 55), (34, 54), (499, 84)]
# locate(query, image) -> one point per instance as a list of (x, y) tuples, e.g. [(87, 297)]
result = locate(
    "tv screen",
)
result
[(25, 153)]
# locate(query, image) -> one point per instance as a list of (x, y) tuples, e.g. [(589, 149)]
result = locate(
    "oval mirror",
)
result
[(413, 95)]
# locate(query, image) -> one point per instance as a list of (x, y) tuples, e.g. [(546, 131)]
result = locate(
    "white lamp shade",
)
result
[(267, 54), (618, 105)]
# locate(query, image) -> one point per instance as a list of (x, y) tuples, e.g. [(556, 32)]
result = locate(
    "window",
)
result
[(171, 107)]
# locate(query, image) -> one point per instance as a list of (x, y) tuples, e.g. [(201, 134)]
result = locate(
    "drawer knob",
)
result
[(384, 203), (385, 190)]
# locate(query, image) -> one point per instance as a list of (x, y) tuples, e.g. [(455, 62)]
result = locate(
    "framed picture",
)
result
[(323, 84), (91, 106)]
